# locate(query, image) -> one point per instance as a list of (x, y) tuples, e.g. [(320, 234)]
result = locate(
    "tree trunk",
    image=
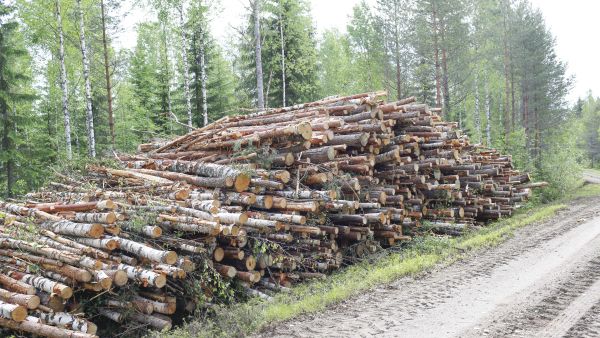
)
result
[(397, 19), (7, 146), (186, 80), (477, 116), (111, 122), (488, 113), (165, 61), (436, 51), (525, 108), (198, 75), (258, 56), (507, 112), (89, 116), (63, 83), (445, 88), (282, 60), (203, 80)]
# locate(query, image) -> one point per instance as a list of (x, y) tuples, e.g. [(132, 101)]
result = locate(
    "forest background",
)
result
[(68, 94)]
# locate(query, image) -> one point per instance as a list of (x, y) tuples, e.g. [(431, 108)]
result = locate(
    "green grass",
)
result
[(584, 190), (421, 254)]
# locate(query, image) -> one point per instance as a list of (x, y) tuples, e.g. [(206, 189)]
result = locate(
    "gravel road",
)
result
[(543, 282)]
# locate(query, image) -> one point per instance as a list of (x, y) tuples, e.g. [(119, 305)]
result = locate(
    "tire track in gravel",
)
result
[(451, 301), (559, 300), (588, 325)]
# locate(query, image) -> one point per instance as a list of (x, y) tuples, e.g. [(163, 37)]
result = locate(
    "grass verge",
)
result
[(419, 255)]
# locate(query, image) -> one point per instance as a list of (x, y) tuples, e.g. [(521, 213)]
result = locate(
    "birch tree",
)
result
[(63, 83), (282, 59), (203, 79), (200, 38), (186, 80), (89, 117)]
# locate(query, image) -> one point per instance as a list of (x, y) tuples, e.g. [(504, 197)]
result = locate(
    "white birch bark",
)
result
[(109, 244), (63, 84), (63, 319), (186, 76), (89, 117), (203, 80), (65, 227), (258, 56), (144, 251), (48, 285), (488, 128), (148, 277), (167, 66), (282, 59), (159, 323), (477, 116)]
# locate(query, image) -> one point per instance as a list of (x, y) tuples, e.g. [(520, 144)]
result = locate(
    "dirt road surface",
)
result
[(543, 282), (591, 176)]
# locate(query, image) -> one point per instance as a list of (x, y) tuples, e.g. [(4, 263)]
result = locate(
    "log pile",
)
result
[(265, 200)]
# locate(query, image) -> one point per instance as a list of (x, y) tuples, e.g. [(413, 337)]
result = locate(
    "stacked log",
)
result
[(265, 200)]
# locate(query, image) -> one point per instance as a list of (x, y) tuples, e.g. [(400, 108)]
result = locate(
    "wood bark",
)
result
[(89, 116), (436, 51), (282, 58), (260, 100), (184, 60), (31, 325), (63, 83), (109, 99), (8, 147)]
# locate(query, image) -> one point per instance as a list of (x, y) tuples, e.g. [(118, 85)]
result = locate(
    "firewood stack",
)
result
[(265, 199)]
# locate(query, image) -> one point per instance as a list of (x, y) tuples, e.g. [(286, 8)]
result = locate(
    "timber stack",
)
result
[(264, 199)]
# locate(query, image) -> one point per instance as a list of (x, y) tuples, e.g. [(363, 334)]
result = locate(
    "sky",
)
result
[(573, 23)]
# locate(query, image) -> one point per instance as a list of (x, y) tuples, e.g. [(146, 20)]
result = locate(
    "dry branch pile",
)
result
[(266, 199)]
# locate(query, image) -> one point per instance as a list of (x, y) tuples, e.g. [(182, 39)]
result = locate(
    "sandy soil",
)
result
[(544, 282)]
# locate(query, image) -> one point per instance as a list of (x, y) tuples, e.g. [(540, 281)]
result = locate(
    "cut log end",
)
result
[(66, 292), (106, 283), (268, 202), (96, 231), (242, 182), (111, 217), (33, 302), (18, 314), (91, 328), (170, 257), (218, 254), (160, 281), (305, 129), (289, 159), (120, 278)]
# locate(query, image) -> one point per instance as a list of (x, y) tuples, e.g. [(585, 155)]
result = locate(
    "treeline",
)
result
[(67, 92)]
